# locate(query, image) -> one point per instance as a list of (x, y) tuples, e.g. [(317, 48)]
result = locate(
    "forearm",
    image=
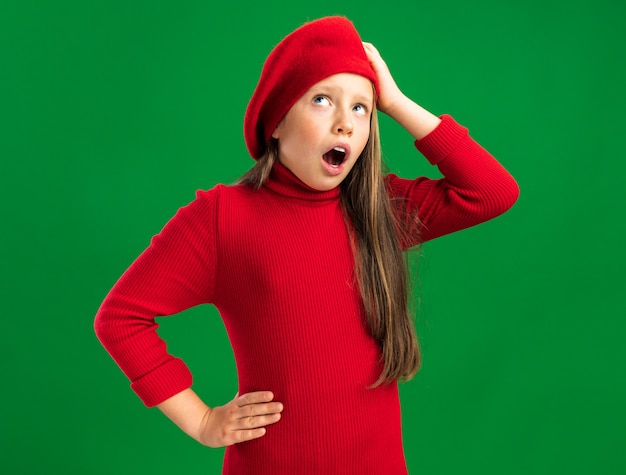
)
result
[(187, 411), (474, 187)]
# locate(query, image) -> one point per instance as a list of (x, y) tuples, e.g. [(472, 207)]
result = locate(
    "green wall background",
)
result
[(113, 113)]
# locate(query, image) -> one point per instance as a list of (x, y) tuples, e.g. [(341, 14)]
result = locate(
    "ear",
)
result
[(276, 133)]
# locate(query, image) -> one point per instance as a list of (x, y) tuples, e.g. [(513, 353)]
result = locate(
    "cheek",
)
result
[(365, 124), (289, 147), (363, 139)]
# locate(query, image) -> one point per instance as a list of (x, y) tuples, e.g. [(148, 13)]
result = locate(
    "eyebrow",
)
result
[(362, 98)]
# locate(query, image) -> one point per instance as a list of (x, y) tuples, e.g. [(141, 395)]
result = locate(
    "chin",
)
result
[(326, 185)]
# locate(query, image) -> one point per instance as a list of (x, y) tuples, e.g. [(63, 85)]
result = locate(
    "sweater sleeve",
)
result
[(474, 187), (174, 273)]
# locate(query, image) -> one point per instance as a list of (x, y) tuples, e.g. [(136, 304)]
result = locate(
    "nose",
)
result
[(343, 123)]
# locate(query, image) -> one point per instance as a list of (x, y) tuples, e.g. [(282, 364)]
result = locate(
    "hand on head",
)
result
[(389, 93)]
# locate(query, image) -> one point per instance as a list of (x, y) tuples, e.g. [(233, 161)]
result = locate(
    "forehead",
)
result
[(353, 85)]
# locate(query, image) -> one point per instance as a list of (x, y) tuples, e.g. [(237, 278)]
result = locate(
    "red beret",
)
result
[(313, 52)]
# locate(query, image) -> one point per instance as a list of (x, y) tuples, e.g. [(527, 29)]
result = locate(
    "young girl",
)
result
[(303, 259)]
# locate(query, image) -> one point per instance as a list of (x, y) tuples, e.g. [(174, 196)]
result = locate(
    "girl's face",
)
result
[(323, 134)]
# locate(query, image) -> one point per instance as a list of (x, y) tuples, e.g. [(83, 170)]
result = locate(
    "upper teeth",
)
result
[(340, 149)]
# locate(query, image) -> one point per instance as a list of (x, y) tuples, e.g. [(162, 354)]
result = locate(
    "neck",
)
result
[(284, 182)]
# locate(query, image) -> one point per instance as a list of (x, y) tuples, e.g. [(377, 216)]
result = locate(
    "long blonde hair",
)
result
[(381, 268)]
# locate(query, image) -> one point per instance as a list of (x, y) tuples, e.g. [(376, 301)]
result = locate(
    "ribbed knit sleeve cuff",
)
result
[(163, 383), (438, 144)]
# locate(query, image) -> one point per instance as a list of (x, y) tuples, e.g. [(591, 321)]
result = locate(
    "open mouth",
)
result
[(335, 156)]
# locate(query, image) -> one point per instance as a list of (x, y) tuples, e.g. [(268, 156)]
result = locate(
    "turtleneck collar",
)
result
[(284, 182)]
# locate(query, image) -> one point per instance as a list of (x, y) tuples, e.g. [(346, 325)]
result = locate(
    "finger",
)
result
[(244, 435), (369, 47), (251, 410), (256, 422), (254, 398)]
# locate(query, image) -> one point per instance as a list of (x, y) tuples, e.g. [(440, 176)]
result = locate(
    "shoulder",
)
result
[(222, 202), (210, 198)]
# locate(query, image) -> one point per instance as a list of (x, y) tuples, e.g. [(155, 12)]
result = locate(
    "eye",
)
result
[(360, 109), (321, 100)]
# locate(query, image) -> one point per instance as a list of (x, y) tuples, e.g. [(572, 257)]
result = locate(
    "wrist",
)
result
[(395, 104), (391, 104), (202, 434), (415, 119)]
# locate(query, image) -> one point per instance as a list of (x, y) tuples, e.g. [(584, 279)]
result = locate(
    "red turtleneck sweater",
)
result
[(277, 264)]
